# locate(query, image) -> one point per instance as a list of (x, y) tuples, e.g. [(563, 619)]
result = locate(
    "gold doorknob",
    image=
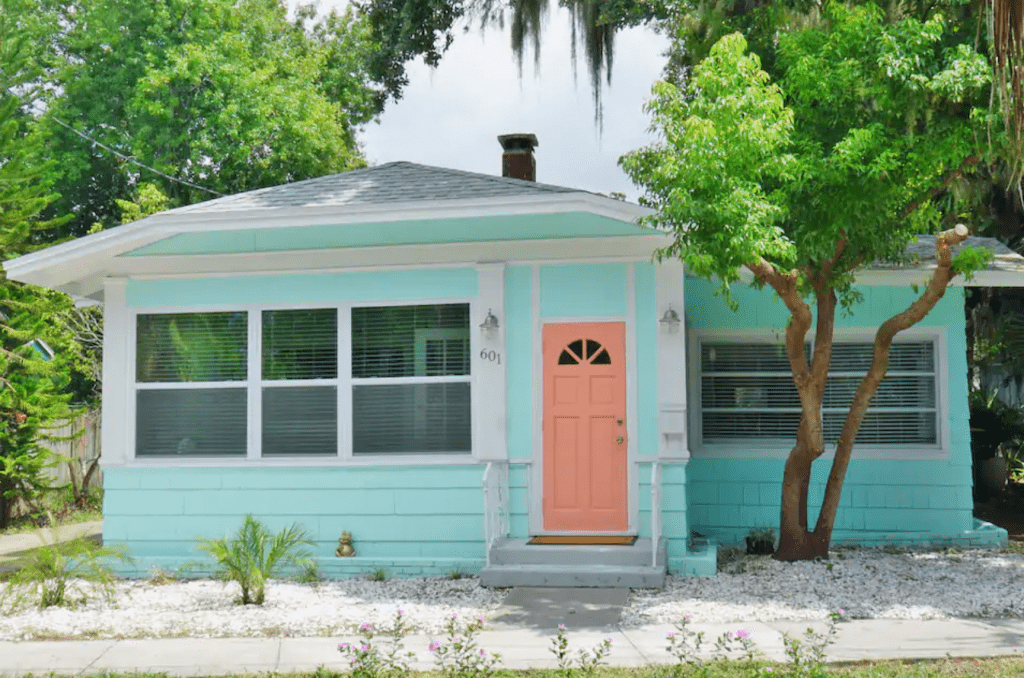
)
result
[(618, 439)]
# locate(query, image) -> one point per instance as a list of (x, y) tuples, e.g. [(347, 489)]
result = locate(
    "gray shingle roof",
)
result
[(1005, 259), (392, 182)]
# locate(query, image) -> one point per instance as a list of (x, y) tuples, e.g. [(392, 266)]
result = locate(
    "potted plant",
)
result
[(761, 541)]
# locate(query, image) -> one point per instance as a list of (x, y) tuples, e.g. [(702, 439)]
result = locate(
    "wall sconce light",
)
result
[(490, 324), (671, 320)]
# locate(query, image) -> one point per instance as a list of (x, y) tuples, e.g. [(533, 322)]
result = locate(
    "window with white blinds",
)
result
[(747, 394), (201, 388), (190, 373), (299, 388), (410, 380)]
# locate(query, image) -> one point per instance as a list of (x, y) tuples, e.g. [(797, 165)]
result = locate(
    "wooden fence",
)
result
[(74, 454)]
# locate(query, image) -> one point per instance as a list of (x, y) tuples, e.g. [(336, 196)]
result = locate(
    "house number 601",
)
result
[(490, 356)]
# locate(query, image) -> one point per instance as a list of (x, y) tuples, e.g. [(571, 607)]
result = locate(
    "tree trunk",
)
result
[(796, 541)]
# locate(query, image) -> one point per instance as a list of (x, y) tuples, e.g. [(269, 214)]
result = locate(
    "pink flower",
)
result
[(561, 627), (342, 647), (454, 615), (671, 636), (686, 618), (608, 640), (841, 611), (400, 613), (742, 634), (366, 626), (435, 645), (365, 648), (481, 619), (481, 653)]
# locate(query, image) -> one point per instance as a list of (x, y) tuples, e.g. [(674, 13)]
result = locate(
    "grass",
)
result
[(62, 511), (989, 667)]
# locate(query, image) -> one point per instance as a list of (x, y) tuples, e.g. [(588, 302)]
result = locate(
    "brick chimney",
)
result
[(517, 161)]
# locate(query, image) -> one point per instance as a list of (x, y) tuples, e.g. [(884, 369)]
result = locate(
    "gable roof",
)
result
[(393, 182)]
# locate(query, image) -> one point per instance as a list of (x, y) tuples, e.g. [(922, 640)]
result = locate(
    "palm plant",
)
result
[(254, 555), (45, 575)]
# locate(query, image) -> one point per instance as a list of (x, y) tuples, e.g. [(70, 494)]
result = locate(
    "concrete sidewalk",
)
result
[(518, 647)]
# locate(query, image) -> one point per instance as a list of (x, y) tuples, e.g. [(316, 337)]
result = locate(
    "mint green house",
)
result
[(446, 364)]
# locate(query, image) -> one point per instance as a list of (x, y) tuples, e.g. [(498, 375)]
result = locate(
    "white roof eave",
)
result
[(37, 267)]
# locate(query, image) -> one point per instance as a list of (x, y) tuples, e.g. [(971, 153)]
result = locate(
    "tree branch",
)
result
[(936, 289), (786, 287)]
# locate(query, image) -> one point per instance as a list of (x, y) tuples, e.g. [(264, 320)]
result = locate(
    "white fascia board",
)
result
[(67, 261), (623, 248), (440, 254)]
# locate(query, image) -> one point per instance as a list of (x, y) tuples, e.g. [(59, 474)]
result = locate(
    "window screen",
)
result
[(209, 419), (747, 392), (410, 372), (179, 347)]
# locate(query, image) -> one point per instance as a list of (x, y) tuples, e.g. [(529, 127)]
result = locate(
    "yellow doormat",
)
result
[(583, 540)]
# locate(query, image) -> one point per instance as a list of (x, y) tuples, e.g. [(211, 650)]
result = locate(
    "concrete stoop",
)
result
[(516, 563)]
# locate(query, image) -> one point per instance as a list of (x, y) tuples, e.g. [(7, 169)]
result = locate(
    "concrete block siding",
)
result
[(412, 520), (883, 501)]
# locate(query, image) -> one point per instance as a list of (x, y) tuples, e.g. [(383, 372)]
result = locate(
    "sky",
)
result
[(451, 116)]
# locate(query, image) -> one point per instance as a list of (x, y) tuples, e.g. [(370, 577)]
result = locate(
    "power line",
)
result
[(133, 161)]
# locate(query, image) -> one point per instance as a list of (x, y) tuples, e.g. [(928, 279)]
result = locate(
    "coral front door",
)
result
[(585, 427)]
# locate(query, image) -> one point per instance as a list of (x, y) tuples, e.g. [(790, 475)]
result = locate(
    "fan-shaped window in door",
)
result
[(584, 351)]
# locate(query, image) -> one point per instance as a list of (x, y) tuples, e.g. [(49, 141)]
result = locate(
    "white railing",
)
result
[(655, 511), (496, 519)]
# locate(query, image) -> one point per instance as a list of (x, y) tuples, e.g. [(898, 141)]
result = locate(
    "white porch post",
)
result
[(489, 358), (117, 341)]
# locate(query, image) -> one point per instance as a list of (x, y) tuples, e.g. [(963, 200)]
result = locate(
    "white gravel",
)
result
[(866, 583), (208, 609)]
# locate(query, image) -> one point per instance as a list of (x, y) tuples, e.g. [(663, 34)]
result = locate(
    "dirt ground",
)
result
[(1006, 511)]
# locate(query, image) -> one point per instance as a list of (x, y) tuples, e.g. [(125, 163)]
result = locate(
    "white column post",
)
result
[(669, 278), (118, 427), (491, 437)]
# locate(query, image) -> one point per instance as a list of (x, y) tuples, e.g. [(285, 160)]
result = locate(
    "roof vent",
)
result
[(517, 161)]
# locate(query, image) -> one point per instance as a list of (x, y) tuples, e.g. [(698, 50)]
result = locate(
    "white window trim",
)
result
[(770, 449), (255, 383)]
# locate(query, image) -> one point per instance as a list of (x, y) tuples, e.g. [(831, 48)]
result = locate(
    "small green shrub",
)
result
[(46, 573), (309, 573), (254, 555), (456, 573), (380, 574)]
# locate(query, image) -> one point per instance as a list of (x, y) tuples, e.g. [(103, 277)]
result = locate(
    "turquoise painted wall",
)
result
[(883, 501), (312, 288), (410, 519)]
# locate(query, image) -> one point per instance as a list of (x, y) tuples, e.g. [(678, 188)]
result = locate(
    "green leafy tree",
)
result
[(804, 180), (32, 381), (221, 95)]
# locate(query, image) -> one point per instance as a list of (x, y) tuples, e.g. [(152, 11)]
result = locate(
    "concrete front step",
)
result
[(519, 552), (514, 562), (612, 576)]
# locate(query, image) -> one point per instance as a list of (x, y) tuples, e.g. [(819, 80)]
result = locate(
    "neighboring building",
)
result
[(445, 363)]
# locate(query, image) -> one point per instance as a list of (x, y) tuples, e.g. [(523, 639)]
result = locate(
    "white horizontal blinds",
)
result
[(193, 422), (300, 344), (903, 411), (190, 384), (300, 415), (187, 347), (410, 374), (747, 391)]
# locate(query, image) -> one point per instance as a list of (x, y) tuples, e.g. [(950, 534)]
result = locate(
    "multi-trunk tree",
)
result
[(803, 180)]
